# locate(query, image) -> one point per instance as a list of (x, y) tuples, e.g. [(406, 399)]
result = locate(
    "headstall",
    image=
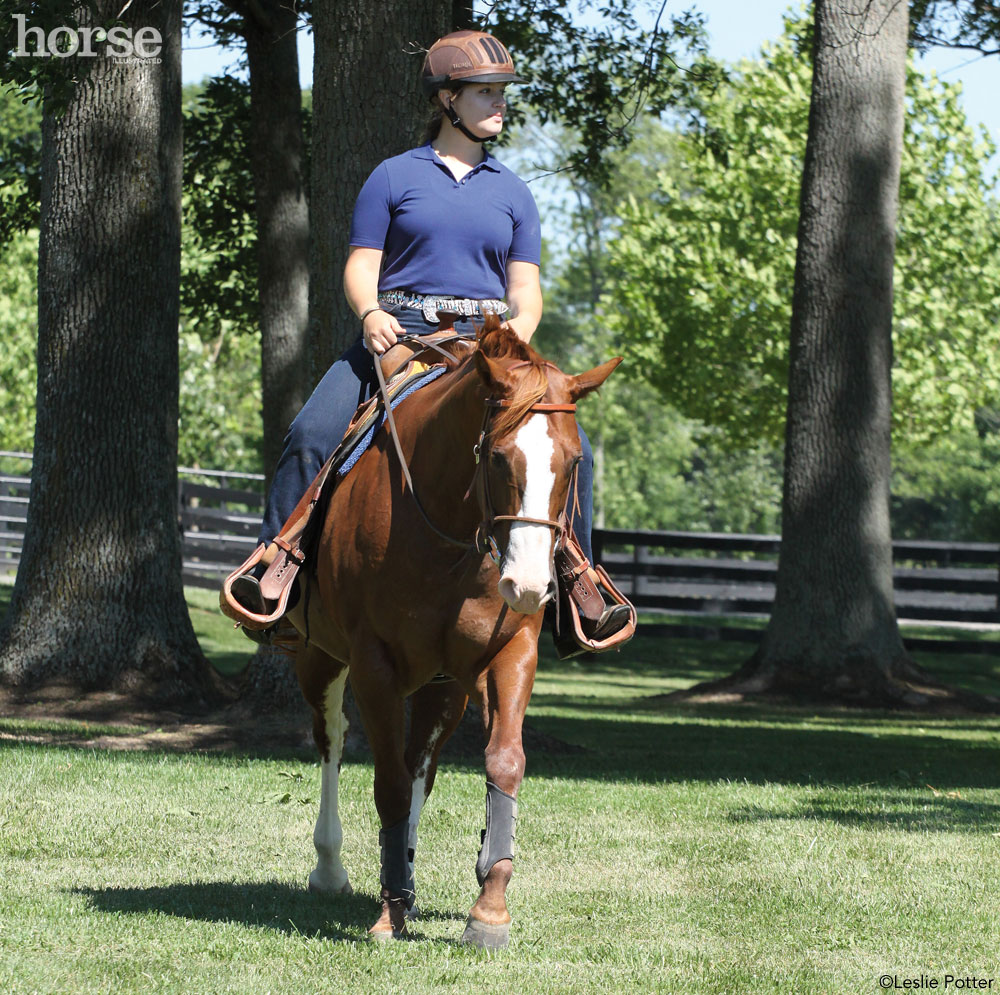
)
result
[(483, 541)]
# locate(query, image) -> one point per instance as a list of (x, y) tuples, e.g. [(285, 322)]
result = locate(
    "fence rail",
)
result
[(694, 574)]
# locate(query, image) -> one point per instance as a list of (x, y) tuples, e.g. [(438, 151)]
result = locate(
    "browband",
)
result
[(542, 406)]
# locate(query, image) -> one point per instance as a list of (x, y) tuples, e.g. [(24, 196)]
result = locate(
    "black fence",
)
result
[(703, 581), (949, 585)]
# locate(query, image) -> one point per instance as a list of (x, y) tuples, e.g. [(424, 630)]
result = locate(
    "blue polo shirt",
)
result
[(446, 236)]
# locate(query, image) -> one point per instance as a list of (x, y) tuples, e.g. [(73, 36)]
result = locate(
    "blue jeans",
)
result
[(320, 425)]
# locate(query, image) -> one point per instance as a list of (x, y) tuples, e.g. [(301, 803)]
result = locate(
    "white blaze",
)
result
[(526, 568)]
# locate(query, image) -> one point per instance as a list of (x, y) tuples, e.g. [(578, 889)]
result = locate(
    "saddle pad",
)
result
[(366, 440)]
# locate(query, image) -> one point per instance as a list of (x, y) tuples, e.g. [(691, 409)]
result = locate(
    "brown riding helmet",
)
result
[(464, 56)]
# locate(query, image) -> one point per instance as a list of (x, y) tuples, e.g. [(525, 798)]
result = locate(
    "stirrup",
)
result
[(587, 621), (267, 616)]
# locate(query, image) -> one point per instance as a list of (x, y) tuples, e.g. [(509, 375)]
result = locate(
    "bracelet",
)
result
[(364, 314)]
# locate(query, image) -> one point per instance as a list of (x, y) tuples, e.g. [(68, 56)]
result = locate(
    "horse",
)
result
[(432, 586)]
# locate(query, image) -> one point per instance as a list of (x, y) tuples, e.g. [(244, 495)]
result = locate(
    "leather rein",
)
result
[(484, 540)]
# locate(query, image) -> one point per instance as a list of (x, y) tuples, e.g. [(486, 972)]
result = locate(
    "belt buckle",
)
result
[(430, 308)]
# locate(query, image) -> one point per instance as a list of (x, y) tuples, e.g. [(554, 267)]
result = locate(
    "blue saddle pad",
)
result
[(366, 440)]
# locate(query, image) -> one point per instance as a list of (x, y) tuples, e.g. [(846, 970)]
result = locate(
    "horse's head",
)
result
[(528, 458)]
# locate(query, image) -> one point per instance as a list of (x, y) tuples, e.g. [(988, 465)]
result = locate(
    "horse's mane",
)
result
[(497, 341)]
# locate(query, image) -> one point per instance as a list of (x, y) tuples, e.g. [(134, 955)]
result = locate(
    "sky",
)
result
[(737, 29)]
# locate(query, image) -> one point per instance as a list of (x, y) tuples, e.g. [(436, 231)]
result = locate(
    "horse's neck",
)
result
[(442, 438)]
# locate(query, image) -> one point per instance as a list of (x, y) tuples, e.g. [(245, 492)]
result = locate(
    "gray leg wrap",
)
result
[(498, 836), (396, 877)]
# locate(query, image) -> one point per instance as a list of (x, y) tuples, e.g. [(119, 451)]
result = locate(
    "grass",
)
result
[(683, 850)]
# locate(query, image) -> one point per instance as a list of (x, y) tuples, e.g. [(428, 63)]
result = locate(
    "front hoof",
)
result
[(486, 936), (319, 885)]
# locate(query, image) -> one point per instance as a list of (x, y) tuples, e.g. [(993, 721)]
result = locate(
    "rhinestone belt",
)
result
[(431, 305)]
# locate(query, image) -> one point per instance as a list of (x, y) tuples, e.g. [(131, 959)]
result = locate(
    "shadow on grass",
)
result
[(644, 741), (933, 814), (273, 905), (770, 747)]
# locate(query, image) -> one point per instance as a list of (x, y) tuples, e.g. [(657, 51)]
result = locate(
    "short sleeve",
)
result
[(526, 243), (372, 211)]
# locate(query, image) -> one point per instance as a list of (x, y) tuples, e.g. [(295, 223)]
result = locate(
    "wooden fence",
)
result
[(950, 585), (717, 577)]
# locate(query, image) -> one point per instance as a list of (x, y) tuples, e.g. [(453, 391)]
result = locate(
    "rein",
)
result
[(483, 541)]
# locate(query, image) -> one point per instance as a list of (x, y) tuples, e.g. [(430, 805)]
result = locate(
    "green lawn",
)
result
[(683, 849)]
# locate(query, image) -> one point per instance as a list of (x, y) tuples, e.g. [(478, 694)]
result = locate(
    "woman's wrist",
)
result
[(370, 310)]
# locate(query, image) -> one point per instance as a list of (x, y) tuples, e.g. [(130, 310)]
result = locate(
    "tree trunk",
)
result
[(98, 599), (833, 630), (277, 162), (367, 105)]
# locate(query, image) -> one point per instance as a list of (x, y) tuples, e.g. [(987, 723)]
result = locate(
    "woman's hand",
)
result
[(379, 330)]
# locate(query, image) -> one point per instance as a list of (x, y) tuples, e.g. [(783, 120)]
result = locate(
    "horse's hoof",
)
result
[(320, 887), (485, 935)]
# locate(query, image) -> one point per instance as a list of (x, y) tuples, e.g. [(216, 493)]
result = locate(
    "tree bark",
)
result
[(833, 630), (367, 105), (834, 620), (277, 161), (98, 599)]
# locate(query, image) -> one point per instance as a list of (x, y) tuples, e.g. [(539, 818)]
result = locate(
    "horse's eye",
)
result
[(498, 459)]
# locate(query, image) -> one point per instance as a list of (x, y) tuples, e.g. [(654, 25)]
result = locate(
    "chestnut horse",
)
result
[(404, 600)]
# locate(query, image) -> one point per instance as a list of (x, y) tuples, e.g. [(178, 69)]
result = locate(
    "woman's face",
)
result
[(482, 107)]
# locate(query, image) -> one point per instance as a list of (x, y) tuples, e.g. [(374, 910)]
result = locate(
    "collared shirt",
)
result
[(446, 236)]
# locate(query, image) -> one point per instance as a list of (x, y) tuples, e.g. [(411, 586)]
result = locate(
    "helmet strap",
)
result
[(457, 122)]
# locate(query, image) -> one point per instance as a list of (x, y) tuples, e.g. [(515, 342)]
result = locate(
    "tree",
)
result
[(705, 261), (833, 631), (274, 143), (593, 70), (98, 599), (973, 24), (654, 468), (220, 403), (367, 105)]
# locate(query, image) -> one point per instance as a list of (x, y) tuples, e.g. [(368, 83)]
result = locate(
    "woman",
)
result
[(441, 229)]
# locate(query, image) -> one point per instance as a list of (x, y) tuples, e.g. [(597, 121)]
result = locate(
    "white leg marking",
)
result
[(328, 836), (419, 791), (526, 569)]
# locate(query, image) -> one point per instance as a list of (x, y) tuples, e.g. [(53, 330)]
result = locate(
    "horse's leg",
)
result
[(505, 688), (435, 712), (323, 688), (383, 715)]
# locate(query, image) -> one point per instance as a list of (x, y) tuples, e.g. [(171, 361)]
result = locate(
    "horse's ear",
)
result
[(492, 373), (584, 383)]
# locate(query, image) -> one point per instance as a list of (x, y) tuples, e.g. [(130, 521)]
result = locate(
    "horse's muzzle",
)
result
[(526, 599)]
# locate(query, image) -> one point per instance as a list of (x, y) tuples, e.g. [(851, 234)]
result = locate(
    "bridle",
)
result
[(484, 540)]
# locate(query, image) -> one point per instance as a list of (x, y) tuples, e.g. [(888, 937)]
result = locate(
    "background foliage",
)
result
[(705, 263), (676, 251)]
